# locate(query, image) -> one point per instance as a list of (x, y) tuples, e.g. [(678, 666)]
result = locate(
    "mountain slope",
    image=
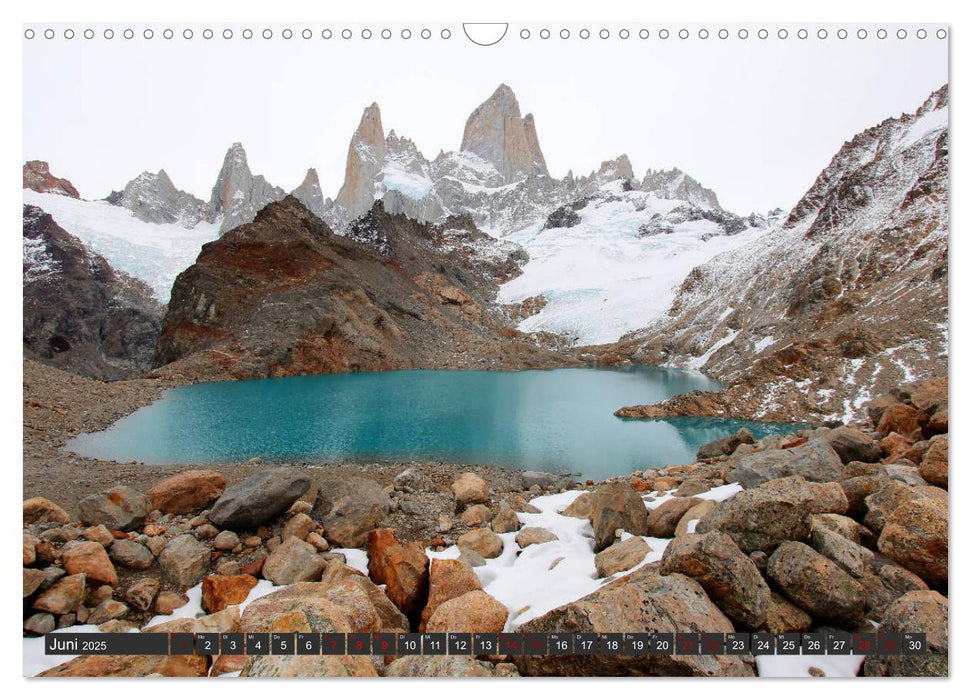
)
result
[(284, 295), (79, 313), (846, 300)]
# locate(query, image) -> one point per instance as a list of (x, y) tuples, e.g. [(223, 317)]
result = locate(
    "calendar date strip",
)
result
[(479, 644)]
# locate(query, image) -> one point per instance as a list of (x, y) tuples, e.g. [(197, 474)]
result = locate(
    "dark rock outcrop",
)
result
[(80, 314)]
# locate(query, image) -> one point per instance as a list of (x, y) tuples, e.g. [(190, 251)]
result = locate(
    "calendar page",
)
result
[(416, 349)]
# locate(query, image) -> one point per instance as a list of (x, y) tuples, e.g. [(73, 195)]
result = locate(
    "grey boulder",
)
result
[(259, 499)]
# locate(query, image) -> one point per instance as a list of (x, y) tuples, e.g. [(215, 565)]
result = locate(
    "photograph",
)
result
[(500, 350)]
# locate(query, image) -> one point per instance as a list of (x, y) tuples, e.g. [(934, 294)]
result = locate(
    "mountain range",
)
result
[(847, 291)]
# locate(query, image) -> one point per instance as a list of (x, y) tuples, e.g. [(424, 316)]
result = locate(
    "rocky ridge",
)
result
[(391, 294), (843, 302)]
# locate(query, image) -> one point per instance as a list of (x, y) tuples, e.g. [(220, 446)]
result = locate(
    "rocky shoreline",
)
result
[(825, 529)]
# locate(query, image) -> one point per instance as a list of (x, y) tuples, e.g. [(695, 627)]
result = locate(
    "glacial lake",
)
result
[(550, 420)]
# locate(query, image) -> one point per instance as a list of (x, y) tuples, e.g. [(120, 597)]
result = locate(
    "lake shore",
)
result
[(59, 406)]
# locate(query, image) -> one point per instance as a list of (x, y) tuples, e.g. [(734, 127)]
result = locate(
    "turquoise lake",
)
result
[(556, 420)]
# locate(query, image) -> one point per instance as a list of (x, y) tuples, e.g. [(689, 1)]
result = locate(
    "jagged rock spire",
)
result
[(497, 132), (309, 193), (365, 158), (238, 194)]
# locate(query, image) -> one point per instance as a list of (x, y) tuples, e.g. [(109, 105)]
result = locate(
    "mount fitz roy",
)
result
[(803, 314)]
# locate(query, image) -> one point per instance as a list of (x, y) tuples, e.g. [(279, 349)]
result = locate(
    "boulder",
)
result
[(41, 510), (121, 508), (225, 541), (937, 423), (848, 554), (438, 667), (534, 535), (621, 556), (920, 612), (29, 549), (505, 519), (412, 479), (930, 396), (188, 492), (219, 592), (185, 560), (299, 526), (131, 555), (99, 534), (905, 473), (308, 667), (90, 559), (934, 465), (483, 542), (141, 594), (475, 611), (829, 498), (885, 581), (349, 509), (764, 517), (616, 506), (168, 602), (916, 537), (840, 524), (469, 488), (402, 568), (727, 445), (184, 665), (642, 601), (33, 578), (858, 481), (663, 520), (39, 623), (476, 514), (782, 616), (815, 460), (853, 445), (447, 579), (339, 606), (817, 585), (881, 504), (258, 499), (390, 619), (694, 514), (64, 596), (107, 610), (580, 508), (899, 418), (728, 576), (293, 561)]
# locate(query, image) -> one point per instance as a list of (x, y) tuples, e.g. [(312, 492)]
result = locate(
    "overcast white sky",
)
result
[(755, 120)]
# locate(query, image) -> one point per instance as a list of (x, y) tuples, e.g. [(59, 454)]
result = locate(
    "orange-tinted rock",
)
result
[(90, 559), (899, 418), (402, 567), (916, 537), (63, 597), (447, 579), (38, 177), (41, 510), (219, 592), (476, 611), (934, 465), (187, 492), (188, 665)]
